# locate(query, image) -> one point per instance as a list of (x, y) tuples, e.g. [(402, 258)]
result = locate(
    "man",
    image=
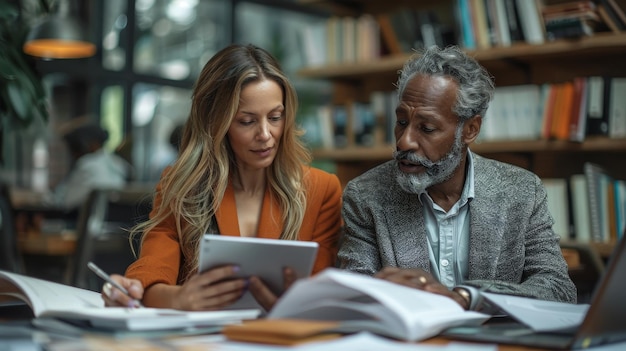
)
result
[(93, 167), (441, 218)]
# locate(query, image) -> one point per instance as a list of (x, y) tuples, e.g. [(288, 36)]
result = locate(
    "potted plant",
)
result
[(22, 96)]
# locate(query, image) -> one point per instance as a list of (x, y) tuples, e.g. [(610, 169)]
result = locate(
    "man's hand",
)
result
[(420, 279)]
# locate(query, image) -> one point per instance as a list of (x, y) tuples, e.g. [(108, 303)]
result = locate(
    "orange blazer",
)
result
[(160, 257)]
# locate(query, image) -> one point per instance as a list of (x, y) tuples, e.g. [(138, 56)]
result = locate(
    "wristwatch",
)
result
[(465, 294)]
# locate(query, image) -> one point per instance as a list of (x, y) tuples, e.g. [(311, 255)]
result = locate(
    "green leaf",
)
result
[(7, 68), (16, 97)]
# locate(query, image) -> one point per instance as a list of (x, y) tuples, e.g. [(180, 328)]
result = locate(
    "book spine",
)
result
[(598, 106), (532, 24), (580, 207), (594, 175), (467, 28), (617, 108)]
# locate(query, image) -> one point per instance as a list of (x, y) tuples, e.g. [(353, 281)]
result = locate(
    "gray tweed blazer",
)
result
[(513, 248)]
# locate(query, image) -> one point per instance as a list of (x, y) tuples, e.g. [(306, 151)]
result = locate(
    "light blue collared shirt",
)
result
[(448, 233)]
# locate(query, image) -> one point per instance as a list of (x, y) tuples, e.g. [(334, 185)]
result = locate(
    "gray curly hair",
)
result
[(476, 85)]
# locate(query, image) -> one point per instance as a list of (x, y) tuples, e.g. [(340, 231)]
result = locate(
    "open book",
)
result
[(366, 303), (54, 300)]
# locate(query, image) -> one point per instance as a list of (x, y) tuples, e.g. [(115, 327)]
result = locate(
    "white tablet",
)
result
[(264, 258)]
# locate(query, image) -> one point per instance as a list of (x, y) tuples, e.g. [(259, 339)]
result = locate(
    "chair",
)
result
[(103, 237), (10, 259)]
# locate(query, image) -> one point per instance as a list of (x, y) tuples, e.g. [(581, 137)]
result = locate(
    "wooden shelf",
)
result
[(519, 55), (356, 154)]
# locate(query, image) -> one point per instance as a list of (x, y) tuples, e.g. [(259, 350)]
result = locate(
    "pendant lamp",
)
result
[(59, 35)]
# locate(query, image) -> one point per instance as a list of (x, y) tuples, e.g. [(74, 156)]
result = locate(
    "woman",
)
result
[(242, 170)]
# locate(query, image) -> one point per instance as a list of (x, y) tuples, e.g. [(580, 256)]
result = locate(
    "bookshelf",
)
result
[(601, 54)]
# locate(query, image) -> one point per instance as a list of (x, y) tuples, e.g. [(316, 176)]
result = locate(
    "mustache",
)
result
[(431, 167)]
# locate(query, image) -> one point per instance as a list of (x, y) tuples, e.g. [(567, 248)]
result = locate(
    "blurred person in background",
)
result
[(92, 167)]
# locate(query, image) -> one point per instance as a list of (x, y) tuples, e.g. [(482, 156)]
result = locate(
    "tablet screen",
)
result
[(261, 257)]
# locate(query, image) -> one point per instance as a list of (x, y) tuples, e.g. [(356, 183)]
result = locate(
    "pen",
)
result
[(107, 278)]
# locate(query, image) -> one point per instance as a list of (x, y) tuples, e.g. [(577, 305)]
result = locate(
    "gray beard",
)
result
[(436, 171)]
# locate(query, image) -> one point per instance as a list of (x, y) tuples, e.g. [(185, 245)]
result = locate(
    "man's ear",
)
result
[(471, 129)]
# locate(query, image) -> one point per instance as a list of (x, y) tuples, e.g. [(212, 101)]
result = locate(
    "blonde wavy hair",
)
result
[(193, 187)]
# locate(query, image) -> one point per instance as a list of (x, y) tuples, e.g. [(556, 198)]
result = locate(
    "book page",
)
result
[(398, 311), (42, 295), (540, 315)]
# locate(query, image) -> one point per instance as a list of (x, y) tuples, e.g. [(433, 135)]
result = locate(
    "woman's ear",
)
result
[(471, 129)]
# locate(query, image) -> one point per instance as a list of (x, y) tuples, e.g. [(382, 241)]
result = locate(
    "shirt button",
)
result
[(445, 263)]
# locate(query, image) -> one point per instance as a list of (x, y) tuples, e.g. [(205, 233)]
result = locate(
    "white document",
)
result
[(260, 257), (540, 315), (367, 303), (50, 299)]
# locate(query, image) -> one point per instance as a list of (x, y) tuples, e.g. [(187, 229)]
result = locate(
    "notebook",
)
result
[(603, 323)]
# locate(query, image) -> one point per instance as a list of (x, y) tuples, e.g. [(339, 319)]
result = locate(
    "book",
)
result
[(551, 92), (504, 33), (405, 29), (54, 300), (314, 43), (618, 9), (614, 12), (562, 111), (480, 23), (620, 206), (364, 303), (514, 21), (389, 39), (368, 38), (556, 189), (569, 27), (617, 108), (578, 120), (464, 14), (531, 21), (598, 99), (580, 207), (341, 131), (608, 20), (597, 179)]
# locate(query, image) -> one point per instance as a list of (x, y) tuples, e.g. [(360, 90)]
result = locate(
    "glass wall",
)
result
[(138, 85), (171, 42), (157, 112), (175, 38)]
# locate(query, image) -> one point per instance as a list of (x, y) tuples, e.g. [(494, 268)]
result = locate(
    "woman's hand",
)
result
[(113, 297), (419, 279), (211, 290), (266, 297)]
